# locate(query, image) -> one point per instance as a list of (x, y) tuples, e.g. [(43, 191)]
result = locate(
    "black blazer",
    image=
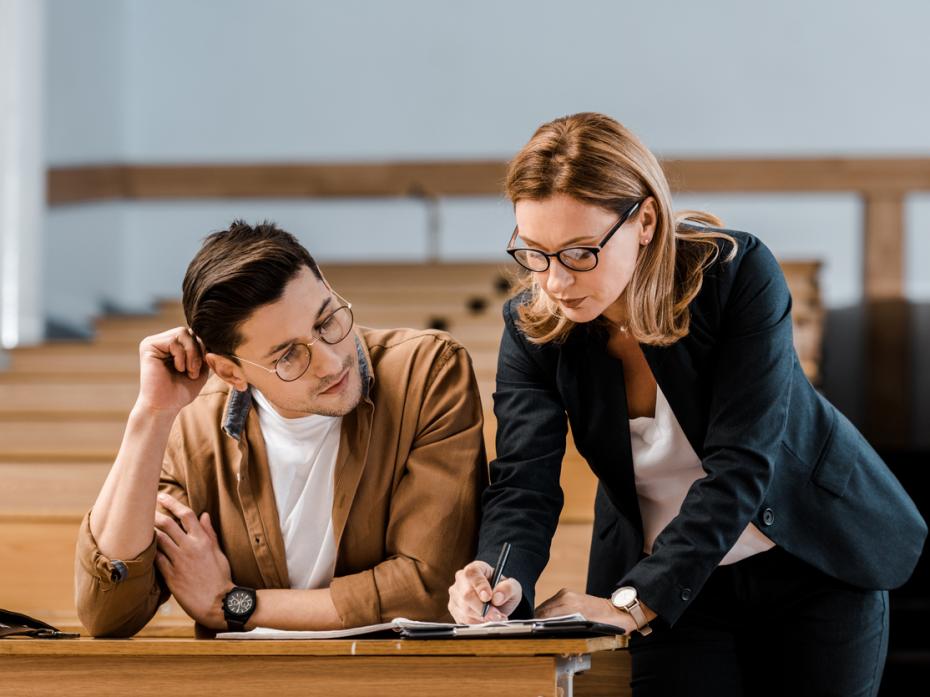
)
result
[(776, 453)]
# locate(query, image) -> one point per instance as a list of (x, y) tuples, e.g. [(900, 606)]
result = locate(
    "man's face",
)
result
[(332, 385)]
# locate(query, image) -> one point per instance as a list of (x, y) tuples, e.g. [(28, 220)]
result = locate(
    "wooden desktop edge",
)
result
[(87, 646)]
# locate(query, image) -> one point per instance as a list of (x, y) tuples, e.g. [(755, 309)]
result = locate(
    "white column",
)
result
[(22, 171)]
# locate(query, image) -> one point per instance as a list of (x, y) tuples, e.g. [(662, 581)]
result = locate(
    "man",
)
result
[(326, 476)]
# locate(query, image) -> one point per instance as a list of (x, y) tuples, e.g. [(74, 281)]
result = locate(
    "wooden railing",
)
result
[(882, 184)]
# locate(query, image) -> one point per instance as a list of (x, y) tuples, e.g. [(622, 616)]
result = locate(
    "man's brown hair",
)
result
[(235, 272)]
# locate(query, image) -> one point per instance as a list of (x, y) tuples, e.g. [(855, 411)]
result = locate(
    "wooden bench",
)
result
[(63, 408), (45, 501)]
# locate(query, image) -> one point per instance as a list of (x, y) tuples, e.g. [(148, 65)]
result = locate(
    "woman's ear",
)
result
[(648, 217), (229, 371)]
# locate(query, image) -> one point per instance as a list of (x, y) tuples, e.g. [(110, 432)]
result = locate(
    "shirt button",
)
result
[(118, 571), (768, 516), (685, 594)]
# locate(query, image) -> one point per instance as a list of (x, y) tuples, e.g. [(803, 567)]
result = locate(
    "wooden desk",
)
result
[(172, 666)]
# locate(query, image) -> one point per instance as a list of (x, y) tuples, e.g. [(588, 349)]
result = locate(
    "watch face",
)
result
[(624, 596), (239, 602)]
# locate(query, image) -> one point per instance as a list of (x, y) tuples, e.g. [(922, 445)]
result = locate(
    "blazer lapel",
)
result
[(592, 387), (681, 382)]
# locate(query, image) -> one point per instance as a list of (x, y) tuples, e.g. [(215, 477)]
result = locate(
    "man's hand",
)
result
[(172, 370), (192, 563), (472, 590), (567, 602)]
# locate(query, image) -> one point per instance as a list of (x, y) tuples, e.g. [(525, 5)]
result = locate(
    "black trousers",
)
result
[(768, 625)]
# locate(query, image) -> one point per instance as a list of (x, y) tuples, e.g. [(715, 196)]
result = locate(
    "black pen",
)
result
[(497, 573)]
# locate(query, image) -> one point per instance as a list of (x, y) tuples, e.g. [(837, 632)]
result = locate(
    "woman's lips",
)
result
[(572, 304)]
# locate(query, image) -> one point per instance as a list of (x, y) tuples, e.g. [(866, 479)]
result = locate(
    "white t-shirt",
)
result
[(302, 459), (666, 466)]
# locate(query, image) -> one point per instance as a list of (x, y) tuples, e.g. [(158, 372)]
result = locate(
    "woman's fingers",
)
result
[(477, 574), (472, 589), (507, 595)]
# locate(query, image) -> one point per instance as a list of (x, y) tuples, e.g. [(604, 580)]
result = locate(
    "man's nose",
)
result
[(325, 361)]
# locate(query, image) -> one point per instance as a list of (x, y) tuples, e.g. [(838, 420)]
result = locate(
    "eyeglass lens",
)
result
[(334, 329), (575, 258)]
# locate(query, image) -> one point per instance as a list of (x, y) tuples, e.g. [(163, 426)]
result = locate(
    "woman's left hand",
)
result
[(567, 602)]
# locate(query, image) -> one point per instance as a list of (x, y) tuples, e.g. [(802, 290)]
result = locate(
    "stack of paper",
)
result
[(565, 625)]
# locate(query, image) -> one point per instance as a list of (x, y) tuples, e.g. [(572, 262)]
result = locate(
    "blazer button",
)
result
[(685, 594), (768, 516)]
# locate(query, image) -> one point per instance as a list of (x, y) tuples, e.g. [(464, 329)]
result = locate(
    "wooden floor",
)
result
[(63, 407)]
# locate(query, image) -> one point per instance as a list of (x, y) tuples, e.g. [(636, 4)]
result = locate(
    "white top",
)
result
[(665, 466), (302, 459)]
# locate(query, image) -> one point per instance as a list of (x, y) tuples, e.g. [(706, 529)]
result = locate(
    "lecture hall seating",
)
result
[(63, 407)]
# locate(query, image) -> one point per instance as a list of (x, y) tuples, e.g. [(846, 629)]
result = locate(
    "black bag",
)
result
[(15, 624)]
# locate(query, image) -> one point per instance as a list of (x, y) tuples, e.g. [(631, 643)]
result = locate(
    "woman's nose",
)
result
[(557, 278)]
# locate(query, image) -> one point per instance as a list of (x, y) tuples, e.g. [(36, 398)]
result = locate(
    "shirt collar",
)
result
[(238, 404)]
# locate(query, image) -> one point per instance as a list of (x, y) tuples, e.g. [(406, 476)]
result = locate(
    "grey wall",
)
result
[(220, 81)]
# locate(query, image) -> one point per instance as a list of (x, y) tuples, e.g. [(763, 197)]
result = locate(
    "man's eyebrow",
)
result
[(285, 344)]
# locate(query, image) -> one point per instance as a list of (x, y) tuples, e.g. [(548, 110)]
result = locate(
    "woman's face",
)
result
[(561, 221)]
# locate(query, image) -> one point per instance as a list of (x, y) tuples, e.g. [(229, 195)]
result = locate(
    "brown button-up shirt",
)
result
[(409, 474)]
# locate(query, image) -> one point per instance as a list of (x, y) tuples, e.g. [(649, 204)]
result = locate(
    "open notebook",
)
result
[(564, 626)]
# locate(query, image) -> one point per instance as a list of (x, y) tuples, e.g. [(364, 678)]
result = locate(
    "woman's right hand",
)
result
[(472, 589), (172, 370)]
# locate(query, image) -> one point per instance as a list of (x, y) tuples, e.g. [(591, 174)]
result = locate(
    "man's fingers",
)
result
[(178, 348), (208, 528), (168, 525), (184, 514), (191, 353), (166, 546), (164, 564)]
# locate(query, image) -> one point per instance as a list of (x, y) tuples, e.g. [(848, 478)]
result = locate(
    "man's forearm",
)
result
[(122, 520), (282, 608)]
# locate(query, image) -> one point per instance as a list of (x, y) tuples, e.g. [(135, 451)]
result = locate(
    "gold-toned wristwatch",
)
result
[(626, 599)]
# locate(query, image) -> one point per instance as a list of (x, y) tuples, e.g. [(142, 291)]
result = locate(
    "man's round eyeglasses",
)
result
[(332, 329), (573, 258)]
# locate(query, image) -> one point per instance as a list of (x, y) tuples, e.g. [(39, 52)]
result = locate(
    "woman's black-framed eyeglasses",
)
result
[(572, 258), (296, 360)]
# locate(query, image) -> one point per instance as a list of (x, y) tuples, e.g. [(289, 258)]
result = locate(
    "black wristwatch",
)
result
[(238, 606)]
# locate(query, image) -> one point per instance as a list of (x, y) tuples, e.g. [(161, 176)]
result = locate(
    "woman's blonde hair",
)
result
[(594, 159)]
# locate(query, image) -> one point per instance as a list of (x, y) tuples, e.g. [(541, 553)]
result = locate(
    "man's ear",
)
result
[(229, 371)]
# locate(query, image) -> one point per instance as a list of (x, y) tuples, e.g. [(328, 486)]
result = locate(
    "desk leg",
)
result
[(565, 669)]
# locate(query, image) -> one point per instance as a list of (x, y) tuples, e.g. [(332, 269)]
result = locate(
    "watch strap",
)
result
[(639, 617), (235, 625)]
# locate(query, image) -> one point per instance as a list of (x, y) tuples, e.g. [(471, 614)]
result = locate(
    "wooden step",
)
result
[(66, 440), (37, 400)]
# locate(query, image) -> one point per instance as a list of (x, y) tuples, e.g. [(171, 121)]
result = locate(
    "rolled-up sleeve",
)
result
[(432, 529), (118, 597)]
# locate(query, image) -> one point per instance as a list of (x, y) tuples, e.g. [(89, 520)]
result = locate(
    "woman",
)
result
[(744, 530)]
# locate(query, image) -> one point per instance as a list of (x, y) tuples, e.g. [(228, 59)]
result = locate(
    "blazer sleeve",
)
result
[(747, 420), (523, 502)]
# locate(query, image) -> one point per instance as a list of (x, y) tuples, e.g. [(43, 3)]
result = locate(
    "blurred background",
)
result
[(379, 133)]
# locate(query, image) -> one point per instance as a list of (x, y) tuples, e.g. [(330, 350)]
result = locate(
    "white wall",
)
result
[(239, 80), (286, 79), (85, 81)]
